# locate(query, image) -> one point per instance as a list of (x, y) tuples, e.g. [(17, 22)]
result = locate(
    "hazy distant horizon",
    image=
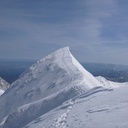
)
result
[(32, 61)]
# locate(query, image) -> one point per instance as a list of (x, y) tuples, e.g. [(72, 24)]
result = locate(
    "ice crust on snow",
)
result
[(55, 81)]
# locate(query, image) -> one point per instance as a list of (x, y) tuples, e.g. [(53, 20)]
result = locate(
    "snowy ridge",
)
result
[(88, 78), (45, 85), (55, 82)]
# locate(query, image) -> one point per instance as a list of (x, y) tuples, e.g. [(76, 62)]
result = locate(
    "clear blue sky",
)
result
[(95, 30)]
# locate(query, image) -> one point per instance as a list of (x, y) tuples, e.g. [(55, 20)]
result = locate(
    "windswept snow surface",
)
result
[(110, 84), (105, 109), (46, 94), (45, 85)]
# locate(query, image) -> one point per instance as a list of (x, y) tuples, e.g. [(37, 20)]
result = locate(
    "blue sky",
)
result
[(95, 30)]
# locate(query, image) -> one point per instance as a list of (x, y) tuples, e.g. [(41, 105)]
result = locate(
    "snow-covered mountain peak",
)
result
[(59, 61), (47, 84), (63, 57), (57, 54)]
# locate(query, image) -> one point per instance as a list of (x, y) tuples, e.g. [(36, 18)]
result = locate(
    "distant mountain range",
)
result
[(4, 85), (10, 70), (57, 92), (113, 72)]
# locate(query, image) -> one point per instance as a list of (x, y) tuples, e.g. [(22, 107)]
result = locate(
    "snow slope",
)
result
[(105, 109), (57, 92), (45, 85), (110, 84)]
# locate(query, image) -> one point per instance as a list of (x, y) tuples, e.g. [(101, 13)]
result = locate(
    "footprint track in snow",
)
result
[(60, 122)]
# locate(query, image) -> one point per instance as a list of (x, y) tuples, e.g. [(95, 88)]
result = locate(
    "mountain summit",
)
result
[(53, 81)]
